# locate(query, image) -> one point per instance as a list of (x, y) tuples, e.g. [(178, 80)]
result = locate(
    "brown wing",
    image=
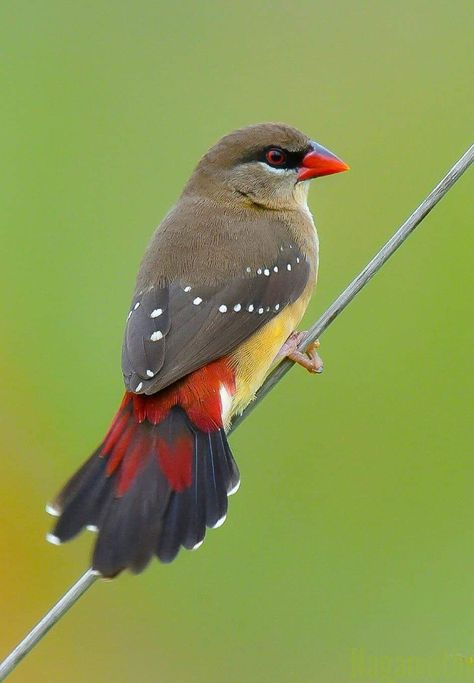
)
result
[(178, 327)]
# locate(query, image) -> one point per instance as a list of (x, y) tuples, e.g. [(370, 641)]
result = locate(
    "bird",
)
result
[(220, 291)]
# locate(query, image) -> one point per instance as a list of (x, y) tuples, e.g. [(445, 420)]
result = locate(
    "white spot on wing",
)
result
[(187, 288), (93, 528), (139, 387), (156, 336), (197, 545), (248, 269), (260, 311), (259, 271), (266, 272), (237, 308), (288, 267), (277, 306), (197, 301), (136, 306), (156, 313), (51, 538), (150, 373), (275, 268), (250, 308), (223, 309)]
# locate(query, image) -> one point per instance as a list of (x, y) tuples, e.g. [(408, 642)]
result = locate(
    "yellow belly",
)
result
[(253, 359)]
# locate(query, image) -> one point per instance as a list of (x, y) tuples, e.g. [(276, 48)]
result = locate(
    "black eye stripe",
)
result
[(293, 159)]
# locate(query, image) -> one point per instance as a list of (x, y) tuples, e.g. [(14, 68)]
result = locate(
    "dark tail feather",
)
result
[(149, 489), (204, 504), (81, 501), (130, 525)]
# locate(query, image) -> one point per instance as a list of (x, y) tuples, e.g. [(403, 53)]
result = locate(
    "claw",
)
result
[(308, 359)]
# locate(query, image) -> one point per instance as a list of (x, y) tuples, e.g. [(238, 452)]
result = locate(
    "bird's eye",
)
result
[(275, 157)]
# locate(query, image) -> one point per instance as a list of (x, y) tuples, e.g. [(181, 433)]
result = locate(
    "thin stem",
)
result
[(354, 287), (90, 576), (50, 618)]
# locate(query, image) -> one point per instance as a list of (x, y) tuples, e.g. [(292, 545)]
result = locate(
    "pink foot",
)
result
[(308, 359)]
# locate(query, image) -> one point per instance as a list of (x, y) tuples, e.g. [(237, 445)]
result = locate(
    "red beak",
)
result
[(320, 161)]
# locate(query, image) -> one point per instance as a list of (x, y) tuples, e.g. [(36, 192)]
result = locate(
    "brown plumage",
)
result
[(224, 282)]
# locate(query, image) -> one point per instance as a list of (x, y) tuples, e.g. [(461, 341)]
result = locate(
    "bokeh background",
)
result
[(350, 546)]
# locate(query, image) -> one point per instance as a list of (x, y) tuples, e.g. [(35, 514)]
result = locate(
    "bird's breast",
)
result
[(254, 358)]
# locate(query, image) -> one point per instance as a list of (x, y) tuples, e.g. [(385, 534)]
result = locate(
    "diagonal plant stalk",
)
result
[(343, 300)]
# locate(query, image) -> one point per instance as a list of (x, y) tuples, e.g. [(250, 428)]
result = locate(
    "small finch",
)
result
[(221, 289)]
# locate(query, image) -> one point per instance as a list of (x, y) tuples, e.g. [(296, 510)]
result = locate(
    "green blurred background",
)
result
[(353, 531)]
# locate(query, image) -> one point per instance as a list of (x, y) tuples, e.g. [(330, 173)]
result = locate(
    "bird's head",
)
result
[(267, 164)]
